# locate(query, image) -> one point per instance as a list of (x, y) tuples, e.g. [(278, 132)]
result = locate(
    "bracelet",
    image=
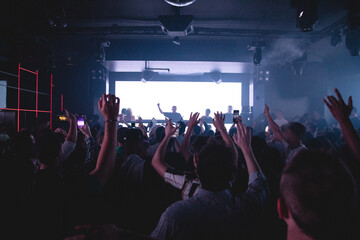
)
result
[(222, 130), (110, 121)]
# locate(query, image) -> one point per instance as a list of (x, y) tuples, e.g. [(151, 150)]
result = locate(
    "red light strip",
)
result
[(24, 110), (27, 70), (37, 91), (62, 103), (51, 95), (18, 112)]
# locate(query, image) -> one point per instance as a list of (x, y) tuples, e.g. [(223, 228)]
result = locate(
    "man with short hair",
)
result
[(290, 135), (318, 197), (213, 213), (173, 115)]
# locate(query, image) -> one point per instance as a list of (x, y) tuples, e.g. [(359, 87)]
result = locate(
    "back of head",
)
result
[(320, 194), (48, 147), (297, 128), (197, 130), (133, 142), (198, 143), (215, 166), (121, 133), (159, 134)]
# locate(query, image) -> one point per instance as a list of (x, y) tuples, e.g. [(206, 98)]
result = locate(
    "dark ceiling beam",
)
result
[(155, 31)]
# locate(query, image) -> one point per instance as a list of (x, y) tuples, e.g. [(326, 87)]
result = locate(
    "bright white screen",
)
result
[(189, 97)]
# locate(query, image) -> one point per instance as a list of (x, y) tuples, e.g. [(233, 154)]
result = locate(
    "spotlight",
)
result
[(336, 39), (257, 48), (180, 3), (176, 41), (257, 57), (216, 77), (177, 25), (147, 76), (306, 14)]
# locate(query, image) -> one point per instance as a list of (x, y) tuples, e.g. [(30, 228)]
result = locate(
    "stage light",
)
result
[(307, 14), (147, 76), (176, 41), (216, 77), (180, 3), (257, 57), (177, 25)]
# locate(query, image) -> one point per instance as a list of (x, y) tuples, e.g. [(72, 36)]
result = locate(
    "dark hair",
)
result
[(197, 130), (121, 133), (48, 148), (297, 128), (198, 143), (133, 142), (215, 166), (159, 134), (320, 194), (182, 127)]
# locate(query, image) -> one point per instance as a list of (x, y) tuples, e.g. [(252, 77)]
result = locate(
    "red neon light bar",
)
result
[(51, 95), (37, 91), (62, 103), (18, 112), (27, 70), (24, 110)]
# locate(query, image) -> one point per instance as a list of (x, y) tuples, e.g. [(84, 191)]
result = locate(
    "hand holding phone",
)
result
[(236, 116), (80, 120)]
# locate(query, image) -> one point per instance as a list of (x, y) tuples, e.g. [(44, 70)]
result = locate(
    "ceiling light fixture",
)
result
[(180, 3)]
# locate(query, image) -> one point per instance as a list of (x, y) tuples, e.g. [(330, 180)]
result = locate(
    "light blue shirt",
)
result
[(214, 215)]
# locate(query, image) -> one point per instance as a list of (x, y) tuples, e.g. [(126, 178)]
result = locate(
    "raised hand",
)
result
[(86, 130), (140, 122), (266, 109), (243, 137), (62, 131), (69, 116), (109, 107), (193, 120), (170, 129), (219, 122), (338, 107)]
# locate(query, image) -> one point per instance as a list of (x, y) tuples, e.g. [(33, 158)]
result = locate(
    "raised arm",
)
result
[(274, 127), (219, 123), (142, 127), (184, 148), (109, 108), (72, 134), (158, 105), (243, 141), (158, 159), (341, 113)]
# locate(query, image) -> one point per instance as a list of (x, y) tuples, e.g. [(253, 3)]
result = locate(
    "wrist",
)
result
[(110, 120)]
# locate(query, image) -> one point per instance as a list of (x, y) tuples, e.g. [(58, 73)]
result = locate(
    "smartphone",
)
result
[(267, 129), (80, 120), (61, 118), (133, 125), (236, 116)]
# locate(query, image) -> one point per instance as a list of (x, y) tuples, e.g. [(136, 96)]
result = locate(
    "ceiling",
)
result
[(88, 20)]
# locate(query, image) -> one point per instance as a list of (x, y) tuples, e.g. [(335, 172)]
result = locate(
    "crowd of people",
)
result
[(274, 178)]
